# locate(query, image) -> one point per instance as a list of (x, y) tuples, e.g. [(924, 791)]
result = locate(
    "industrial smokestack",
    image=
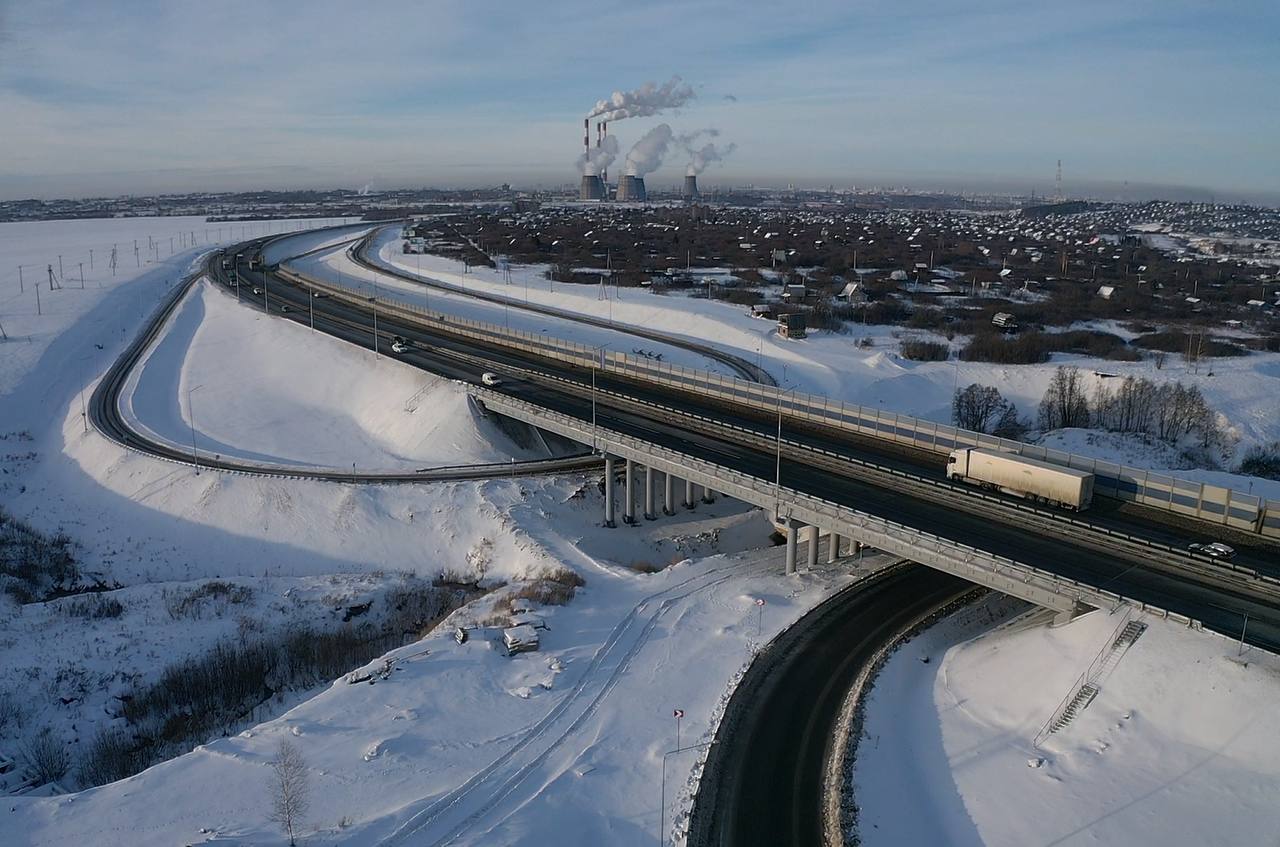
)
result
[(691, 187), (586, 136)]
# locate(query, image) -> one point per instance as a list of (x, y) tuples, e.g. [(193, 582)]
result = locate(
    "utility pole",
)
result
[(191, 410), (81, 276), (22, 287)]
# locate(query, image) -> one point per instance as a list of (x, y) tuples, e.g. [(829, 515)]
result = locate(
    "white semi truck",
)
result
[(1023, 477)]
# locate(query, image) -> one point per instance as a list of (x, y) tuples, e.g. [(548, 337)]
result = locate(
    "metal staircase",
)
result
[(1089, 684)]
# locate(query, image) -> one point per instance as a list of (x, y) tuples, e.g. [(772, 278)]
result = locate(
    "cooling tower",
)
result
[(690, 187), (631, 187), (592, 188)]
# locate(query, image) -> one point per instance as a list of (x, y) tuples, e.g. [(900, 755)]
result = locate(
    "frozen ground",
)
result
[(1179, 748), (560, 746), (250, 384), (1241, 390)]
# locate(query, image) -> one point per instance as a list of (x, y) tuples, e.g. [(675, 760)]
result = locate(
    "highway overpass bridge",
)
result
[(820, 466)]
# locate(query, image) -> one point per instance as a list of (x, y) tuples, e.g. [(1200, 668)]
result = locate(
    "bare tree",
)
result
[(1009, 425), (289, 789), (976, 406), (1065, 403)]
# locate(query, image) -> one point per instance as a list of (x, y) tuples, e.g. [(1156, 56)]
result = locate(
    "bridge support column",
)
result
[(791, 546), (650, 512), (708, 496), (1068, 615), (669, 492), (688, 495), (855, 547), (629, 494), (833, 547), (811, 554), (609, 469)]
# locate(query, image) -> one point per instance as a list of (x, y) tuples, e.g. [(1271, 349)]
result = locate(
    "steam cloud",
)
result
[(649, 151), (600, 157), (701, 157), (648, 99)]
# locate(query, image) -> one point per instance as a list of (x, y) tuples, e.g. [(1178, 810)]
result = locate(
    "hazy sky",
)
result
[(137, 96)]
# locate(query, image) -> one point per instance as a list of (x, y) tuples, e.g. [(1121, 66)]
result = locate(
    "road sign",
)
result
[(759, 601), (679, 713)]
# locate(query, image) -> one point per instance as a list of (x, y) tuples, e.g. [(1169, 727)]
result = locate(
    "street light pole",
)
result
[(191, 411)]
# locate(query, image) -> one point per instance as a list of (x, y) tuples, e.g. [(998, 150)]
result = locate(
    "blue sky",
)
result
[(138, 96)]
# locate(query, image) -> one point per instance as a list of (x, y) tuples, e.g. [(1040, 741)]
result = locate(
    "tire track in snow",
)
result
[(494, 782)]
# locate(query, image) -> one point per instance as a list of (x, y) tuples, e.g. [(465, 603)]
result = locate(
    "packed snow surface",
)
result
[(1179, 748)]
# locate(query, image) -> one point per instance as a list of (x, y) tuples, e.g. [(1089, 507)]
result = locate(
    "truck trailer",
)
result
[(1023, 477)]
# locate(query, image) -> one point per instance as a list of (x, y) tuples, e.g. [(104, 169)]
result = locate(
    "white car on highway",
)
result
[(490, 378)]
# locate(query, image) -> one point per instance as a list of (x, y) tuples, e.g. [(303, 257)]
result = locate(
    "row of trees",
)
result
[(1169, 411)]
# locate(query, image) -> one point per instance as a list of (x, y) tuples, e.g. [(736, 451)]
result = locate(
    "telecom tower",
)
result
[(1060, 198)]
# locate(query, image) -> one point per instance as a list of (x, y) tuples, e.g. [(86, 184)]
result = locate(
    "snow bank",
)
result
[(252, 386), (1180, 746)]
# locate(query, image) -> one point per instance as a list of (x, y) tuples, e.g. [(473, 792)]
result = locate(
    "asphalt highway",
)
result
[(1201, 596)]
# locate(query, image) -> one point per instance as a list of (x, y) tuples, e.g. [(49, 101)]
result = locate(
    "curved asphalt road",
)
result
[(104, 413), (745, 369), (762, 783)]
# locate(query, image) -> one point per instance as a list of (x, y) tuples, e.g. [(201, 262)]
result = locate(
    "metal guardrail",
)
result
[(108, 418), (1201, 501), (1019, 579)]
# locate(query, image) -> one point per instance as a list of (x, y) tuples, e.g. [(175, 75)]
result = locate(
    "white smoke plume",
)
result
[(701, 157), (709, 153), (649, 151), (600, 157), (648, 99)]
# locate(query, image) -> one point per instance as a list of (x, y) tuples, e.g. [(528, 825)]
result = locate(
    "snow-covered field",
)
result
[(246, 385), (565, 745), (1179, 748), (158, 529)]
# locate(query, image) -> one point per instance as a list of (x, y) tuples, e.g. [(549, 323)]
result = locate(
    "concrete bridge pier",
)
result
[(791, 546), (688, 495), (833, 547), (669, 498), (811, 554), (609, 471), (708, 496), (650, 512), (629, 494)]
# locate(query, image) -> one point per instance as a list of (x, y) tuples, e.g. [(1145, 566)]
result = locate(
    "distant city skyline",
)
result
[(1176, 99)]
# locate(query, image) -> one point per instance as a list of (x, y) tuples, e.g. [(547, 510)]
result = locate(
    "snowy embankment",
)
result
[(245, 385), (1179, 747), (278, 251), (461, 741)]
